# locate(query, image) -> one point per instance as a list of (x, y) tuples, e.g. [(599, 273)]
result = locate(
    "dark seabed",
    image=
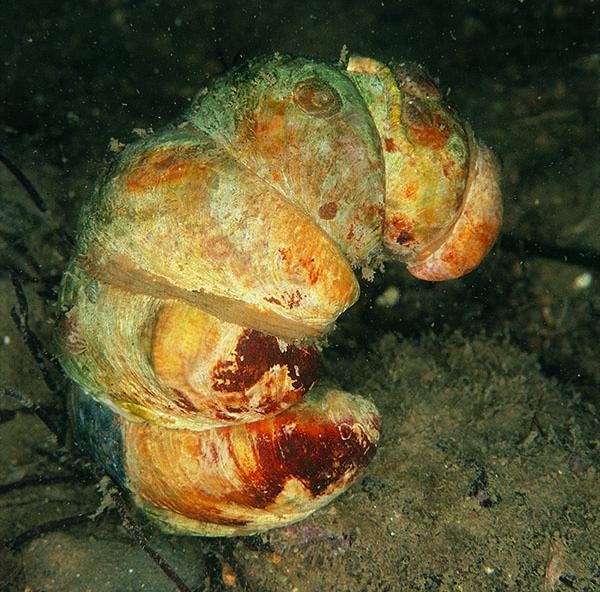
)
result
[(487, 474)]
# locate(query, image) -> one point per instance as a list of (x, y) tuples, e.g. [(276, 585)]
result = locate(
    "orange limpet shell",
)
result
[(476, 228), (252, 477), (226, 372)]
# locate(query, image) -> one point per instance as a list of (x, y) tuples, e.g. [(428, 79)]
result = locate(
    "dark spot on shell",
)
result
[(328, 211), (404, 237), (273, 300), (91, 291), (183, 402), (287, 299), (401, 229), (417, 114), (415, 81), (68, 332), (255, 354), (317, 98), (390, 145), (426, 127)]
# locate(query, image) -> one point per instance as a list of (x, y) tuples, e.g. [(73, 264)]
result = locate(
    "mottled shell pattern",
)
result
[(215, 254)]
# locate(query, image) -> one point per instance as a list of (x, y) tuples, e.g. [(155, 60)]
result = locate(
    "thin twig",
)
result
[(36, 198), (139, 537), (35, 348), (214, 565), (536, 422), (19, 244), (40, 412), (20, 317), (46, 527), (7, 415), (37, 480), (21, 257), (228, 555), (20, 294), (25, 277), (25, 183)]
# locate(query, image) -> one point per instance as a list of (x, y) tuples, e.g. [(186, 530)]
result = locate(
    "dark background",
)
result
[(95, 68)]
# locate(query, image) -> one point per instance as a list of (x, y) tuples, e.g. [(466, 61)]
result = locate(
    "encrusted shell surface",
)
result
[(216, 253), (443, 206)]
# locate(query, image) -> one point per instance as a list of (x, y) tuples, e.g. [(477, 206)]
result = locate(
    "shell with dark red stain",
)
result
[(240, 479), (217, 252)]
